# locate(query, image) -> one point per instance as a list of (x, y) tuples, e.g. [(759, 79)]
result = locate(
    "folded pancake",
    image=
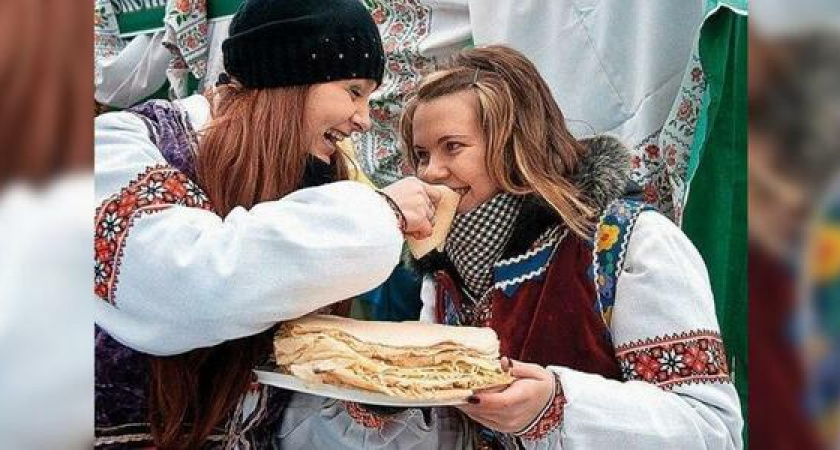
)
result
[(411, 360), (444, 215)]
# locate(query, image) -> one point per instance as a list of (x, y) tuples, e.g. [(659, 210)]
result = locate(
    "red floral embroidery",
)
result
[(403, 25), (396, 28), (697, 75), (664, 173), (671, 156), (652, 151), (154, 190), (362, 416), (692, 357), (378, 14), (647, 367), (685, 110), (651, 194), (551, 419)]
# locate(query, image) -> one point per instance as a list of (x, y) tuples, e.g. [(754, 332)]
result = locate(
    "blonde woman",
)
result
[(603, 307)]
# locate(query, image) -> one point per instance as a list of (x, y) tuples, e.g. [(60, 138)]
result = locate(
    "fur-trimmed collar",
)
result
[(603, 175)]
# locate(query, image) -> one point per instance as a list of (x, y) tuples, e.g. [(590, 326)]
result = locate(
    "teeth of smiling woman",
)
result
[(335, 135), (461, 191)]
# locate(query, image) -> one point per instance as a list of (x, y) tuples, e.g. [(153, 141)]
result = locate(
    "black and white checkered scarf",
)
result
[(477, 240)]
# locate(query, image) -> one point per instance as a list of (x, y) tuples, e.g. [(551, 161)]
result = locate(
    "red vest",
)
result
[(550, 317)]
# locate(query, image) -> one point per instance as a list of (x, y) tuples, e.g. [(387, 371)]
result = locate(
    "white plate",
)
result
[(267, 376)]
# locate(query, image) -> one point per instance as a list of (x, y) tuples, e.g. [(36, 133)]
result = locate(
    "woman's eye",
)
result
[(422, 157), (355, 92), (452, 146)]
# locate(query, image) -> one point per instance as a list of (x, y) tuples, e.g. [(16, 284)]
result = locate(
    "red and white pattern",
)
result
[(188, 38), (156, 189), (551, 419), (107, 43), (660, 161), (362, 416), (668, 361), (403, 26)]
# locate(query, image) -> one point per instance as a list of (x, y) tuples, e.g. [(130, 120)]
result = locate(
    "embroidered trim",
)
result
[(609, 250), (551, 418), (403, 26), (170, 130), (140, 437), (120, 434), (659, 162), (154, 190), (124, 439), (362, 416), (549, 238), (262, 405), (252, 420), (520, 279), (697, 356), (107, 42), (511, 273)]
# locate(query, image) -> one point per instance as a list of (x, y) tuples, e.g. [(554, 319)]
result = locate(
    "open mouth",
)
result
[(461, 191), (332, 137)]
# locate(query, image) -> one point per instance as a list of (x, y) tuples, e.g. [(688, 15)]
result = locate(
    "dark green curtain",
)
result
[(716, 212)]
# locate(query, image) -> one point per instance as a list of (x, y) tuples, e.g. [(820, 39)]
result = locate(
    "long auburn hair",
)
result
[(253, 150), (529, 148)]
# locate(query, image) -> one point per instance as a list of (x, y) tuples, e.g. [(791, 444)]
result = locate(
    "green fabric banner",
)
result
[(716, 212), (138, 16), (144, 16)]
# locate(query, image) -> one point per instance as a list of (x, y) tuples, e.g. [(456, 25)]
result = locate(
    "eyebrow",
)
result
[(452, 136), (444, 138), (365, 84)]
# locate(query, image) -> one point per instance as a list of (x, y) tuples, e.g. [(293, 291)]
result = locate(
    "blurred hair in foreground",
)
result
[(794, 224), (46, 193)]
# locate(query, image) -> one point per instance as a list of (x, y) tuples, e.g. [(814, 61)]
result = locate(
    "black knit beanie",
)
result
[(276, 43)]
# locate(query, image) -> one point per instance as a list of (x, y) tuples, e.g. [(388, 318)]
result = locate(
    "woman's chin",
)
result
[(470, 202), (464, 208), (323, 156)]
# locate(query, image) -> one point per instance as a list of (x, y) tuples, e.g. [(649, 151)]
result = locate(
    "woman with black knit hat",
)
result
[(223, 214)]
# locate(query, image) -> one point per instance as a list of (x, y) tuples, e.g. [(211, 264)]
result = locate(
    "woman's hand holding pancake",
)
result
[(516, 407), (416, 201)]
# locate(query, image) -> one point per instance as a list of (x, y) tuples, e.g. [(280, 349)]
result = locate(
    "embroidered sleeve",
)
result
[(664, 326), (550, 419), (675, 390), (667, 361), (173, 275), (183, 277), (155, 189)]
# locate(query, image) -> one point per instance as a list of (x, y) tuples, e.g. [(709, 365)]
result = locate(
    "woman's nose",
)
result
[(361, 119), (435, 171)]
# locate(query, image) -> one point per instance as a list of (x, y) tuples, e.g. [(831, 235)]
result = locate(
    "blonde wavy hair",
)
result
[(529, 148)]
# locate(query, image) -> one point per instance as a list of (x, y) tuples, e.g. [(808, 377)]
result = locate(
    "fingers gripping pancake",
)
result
[(444, 215)]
